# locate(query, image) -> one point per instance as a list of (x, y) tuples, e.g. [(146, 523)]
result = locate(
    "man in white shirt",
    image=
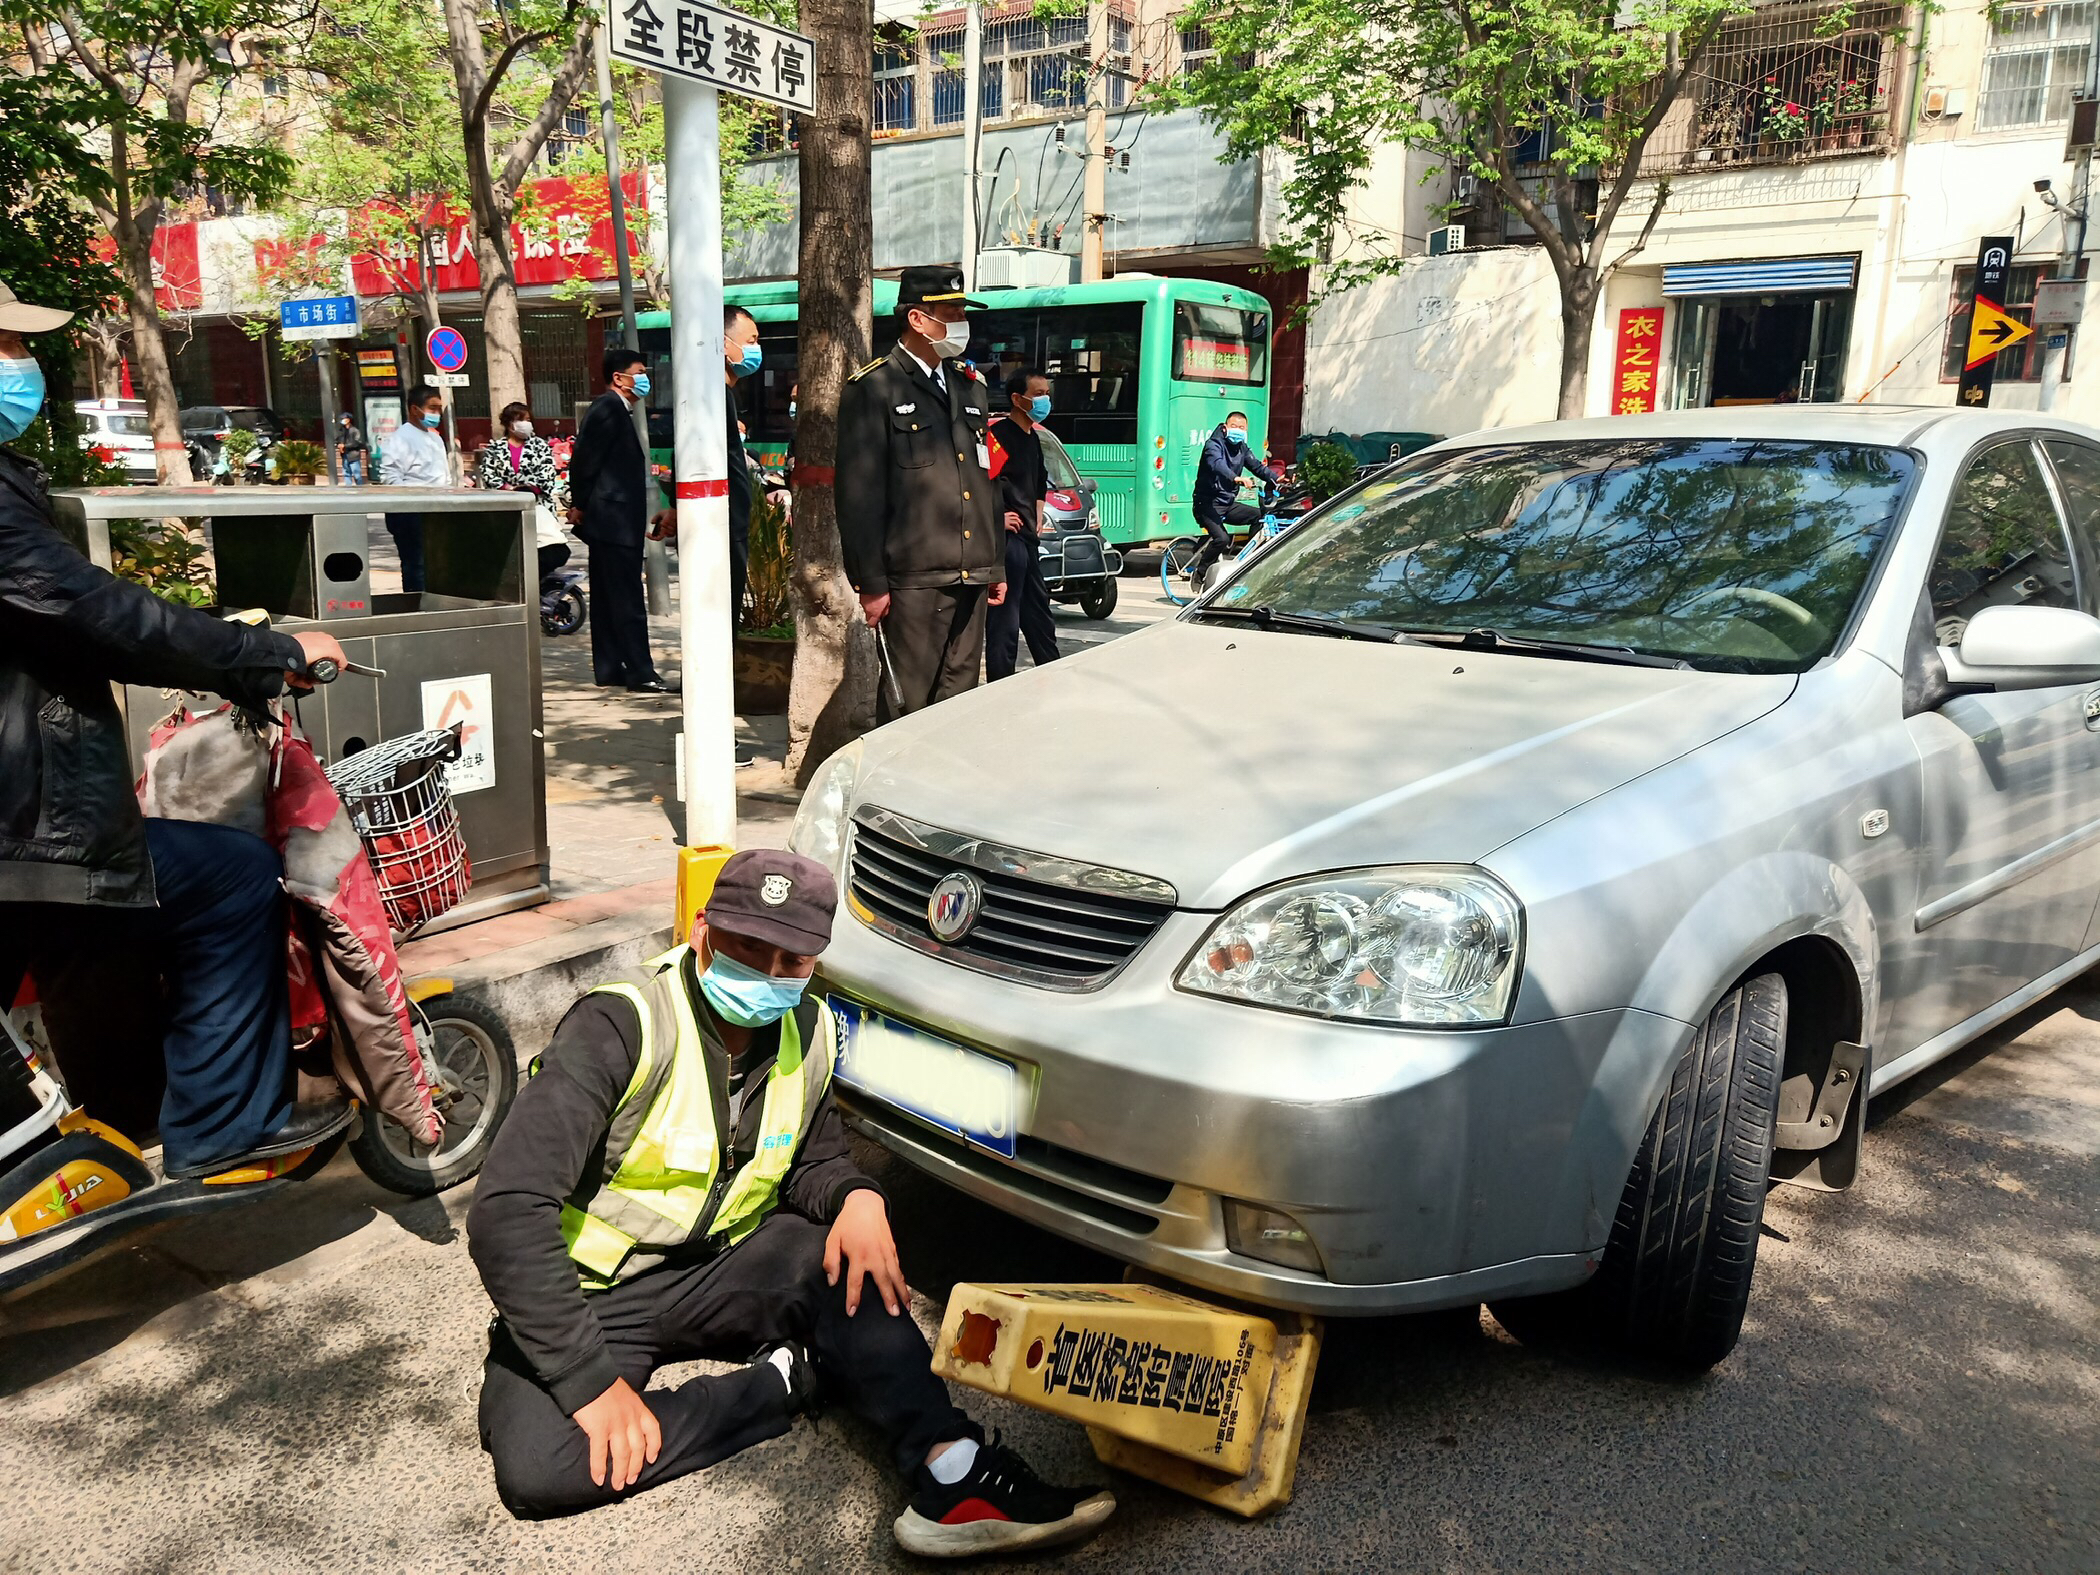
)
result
[(414, 456)]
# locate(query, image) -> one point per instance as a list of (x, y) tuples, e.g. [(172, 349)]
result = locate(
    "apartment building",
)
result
[(1829, 174)]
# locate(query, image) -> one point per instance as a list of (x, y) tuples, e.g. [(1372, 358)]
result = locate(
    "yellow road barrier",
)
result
[(697, 869), (1205, 1399)]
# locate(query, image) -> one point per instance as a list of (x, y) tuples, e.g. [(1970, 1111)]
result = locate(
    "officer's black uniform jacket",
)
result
[(915, 507)]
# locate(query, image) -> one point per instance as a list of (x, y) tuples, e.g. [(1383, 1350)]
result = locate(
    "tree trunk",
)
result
[(152, 372), (502, 339), (832, 696), (1579, 289)]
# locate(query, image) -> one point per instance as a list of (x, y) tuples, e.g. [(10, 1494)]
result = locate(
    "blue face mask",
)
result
[(1039, 407), (753, 358), (1235, 435), (641, 385), (746, 997), (433, 419), (21, 397)]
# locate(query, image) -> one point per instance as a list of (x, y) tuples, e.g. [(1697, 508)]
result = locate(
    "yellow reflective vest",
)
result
[(662, 1183)]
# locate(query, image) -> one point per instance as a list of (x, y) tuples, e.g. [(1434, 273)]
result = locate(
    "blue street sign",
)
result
[(319, 317), (448, 351)]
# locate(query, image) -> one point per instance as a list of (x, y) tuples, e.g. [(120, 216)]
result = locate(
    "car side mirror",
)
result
[(1088, 485), (2006, 648)]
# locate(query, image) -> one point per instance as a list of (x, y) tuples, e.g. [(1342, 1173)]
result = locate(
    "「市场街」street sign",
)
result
[(725, 49)]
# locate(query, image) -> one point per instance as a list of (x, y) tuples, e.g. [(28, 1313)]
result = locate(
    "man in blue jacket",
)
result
[(1226, 457)]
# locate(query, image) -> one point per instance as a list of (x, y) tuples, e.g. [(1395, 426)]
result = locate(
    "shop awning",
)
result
[(1763, 276)]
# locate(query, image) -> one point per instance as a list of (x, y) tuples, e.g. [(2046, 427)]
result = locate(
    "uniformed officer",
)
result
[(919, 516)]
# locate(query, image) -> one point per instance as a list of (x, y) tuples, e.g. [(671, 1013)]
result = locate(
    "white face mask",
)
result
[(957, 338), (521, 429)]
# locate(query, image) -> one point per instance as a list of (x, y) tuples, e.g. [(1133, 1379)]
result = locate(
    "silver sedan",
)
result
[(1492, 887)]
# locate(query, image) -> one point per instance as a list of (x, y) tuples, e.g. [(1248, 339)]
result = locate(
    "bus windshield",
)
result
[(1220, 344)]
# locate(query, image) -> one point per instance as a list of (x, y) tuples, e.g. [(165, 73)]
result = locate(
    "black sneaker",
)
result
[(803, 1396), (1002, 1506)]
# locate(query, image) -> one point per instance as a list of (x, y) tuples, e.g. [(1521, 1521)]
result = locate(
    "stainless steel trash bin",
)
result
[(464, 649)]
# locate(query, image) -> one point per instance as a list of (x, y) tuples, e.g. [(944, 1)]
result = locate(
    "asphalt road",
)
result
[(291, 1388)]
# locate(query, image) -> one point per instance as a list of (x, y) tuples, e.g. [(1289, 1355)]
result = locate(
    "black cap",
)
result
[(930, 286), (780, 898)]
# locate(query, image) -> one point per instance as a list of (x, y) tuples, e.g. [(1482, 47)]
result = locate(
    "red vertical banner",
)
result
[(1637, 364)]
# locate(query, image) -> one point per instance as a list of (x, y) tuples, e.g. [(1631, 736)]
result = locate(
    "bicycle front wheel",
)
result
[(1174, 566)]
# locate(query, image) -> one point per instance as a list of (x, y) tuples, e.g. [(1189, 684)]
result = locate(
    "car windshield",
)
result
[(1735, 556), (1057, 464)]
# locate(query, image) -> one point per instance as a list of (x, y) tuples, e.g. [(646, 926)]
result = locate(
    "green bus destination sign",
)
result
[(725, 49)]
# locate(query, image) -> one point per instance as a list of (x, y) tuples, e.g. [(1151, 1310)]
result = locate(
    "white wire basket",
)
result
[(397, 798)]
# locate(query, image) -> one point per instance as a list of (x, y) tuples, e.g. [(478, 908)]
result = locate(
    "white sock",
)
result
[(954, 1462), (784, 1360)]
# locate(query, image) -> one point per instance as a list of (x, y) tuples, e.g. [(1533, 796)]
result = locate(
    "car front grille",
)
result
[(1042, 919)]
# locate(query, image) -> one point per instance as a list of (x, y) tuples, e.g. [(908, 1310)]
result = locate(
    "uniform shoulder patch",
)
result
[(864, 371)]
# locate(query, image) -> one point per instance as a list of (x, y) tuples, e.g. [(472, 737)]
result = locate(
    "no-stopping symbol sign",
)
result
[(447, 349)]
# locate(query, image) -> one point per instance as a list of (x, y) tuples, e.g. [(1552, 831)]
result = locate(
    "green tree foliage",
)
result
[(154, 88), (1469, 81), (47, 257)]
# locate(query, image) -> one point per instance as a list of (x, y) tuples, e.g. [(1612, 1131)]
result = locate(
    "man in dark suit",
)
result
[(919, 515), (610, 488)]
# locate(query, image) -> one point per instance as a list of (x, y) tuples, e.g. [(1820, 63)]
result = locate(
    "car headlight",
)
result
[(819, 831), (1422, 946)]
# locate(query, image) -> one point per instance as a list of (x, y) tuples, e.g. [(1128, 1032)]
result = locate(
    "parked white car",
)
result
[(120, 426)]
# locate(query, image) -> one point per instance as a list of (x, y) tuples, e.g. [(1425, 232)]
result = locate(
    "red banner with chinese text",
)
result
[(178, 273), (1638, 362), (564, 232)]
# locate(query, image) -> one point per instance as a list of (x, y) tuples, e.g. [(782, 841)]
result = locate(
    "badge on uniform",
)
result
[(905, 410), (984, 459)]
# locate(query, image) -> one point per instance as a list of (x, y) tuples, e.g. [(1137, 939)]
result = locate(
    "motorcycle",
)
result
[(72, 1186), (563, 606)]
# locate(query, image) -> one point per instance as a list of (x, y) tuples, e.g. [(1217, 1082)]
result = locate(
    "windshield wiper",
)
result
[(1567, 650), (1267, 617)]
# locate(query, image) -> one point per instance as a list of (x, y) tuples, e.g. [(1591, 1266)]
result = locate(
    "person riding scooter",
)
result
[(89, 888)]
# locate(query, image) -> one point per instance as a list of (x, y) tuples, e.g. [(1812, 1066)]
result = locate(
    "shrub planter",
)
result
[(764, 667)]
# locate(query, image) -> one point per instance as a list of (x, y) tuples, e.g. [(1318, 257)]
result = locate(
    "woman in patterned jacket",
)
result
[(514, 460)]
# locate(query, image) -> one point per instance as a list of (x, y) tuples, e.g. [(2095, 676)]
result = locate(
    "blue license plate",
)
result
[(942, 1083)]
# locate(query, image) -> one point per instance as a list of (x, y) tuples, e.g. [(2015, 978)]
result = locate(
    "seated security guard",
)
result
[(616, 1229)]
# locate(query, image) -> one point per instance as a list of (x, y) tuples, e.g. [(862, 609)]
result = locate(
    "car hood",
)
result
[(1222, 759)]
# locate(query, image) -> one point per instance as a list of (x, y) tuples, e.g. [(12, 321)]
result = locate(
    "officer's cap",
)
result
[(930, 286), (780, 898)]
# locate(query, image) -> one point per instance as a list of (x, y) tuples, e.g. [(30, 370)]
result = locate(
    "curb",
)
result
[(533, 985)]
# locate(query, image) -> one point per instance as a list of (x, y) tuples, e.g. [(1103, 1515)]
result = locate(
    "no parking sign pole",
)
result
[(696, 48)]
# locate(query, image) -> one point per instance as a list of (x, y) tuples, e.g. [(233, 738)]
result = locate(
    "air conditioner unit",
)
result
[(1447, 238)]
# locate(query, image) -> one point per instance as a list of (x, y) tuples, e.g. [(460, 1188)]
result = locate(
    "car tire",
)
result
[(1674, 1282), (1099, 601)]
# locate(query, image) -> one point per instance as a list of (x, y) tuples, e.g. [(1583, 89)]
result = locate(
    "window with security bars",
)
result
[(1786, 82), (2035, 61), (896, 87)]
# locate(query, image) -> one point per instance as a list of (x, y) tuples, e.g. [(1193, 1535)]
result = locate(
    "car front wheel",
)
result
[(1675, 1278)]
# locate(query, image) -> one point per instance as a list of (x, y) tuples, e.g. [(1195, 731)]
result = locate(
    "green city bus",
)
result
[(1141, 369)]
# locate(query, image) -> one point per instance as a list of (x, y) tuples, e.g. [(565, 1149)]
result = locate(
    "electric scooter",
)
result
[(72, 1187)]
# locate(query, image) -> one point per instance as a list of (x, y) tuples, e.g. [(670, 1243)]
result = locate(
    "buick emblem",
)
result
[(953, 906)]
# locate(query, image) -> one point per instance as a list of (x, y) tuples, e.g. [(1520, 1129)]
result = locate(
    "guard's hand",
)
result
[(998, 596), (575, 515), (874, 608), (624, 1435), (316, 645), (663, 525), (860, 1238), (1014, 522)]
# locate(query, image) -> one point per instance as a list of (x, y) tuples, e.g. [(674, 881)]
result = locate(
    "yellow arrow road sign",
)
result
[(1990, 331)]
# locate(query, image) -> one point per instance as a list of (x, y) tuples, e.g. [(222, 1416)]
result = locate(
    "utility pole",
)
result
[(1095, 198), (2073, 218), (324, 358), (973, 136), (692, 171)]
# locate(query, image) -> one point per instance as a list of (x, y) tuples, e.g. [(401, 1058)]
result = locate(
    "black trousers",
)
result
[(769, 1287), (934, 636), (1218, 534), (739, 572), (222, 1027), (619, 616), (1025, 612), (407, 531)]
